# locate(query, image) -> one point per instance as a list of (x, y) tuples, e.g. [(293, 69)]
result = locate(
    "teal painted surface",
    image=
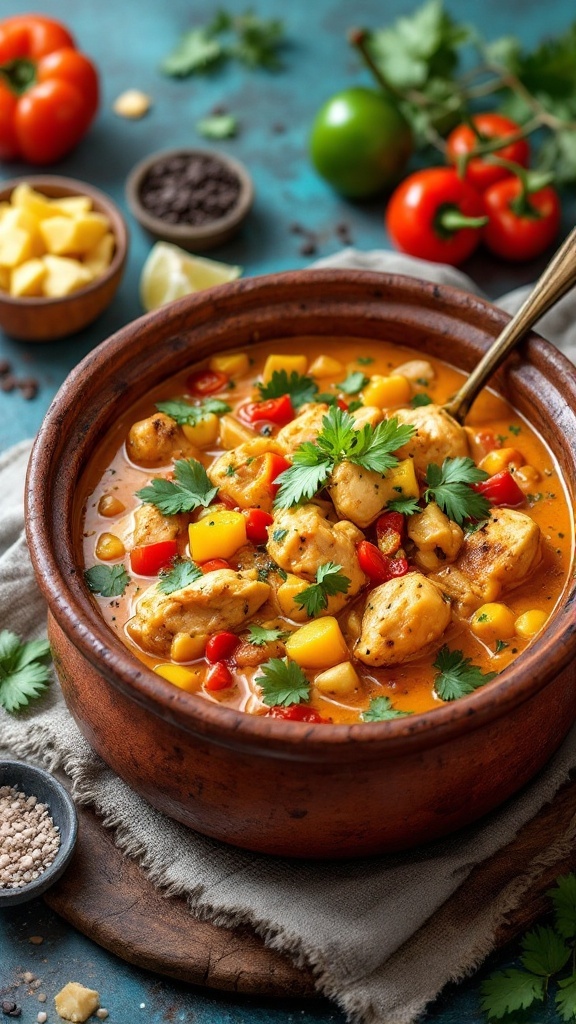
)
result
[(127, 40)]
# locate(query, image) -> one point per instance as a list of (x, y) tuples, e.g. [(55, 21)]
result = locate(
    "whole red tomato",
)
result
[(480, 173), (520, 225), (435, 215), (48, 90)]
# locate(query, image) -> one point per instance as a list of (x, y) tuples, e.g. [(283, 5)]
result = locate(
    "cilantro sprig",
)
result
[(329, 582), (300, 388), (353, 383), (450, 487), (260, 635), (23, 674), (181, 574), (251, 40), (381, 709), (457, 676), (107, 580), (283, 683), (183, 412), (190, 490), (370, 447)]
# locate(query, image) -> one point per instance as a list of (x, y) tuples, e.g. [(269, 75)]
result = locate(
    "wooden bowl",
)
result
[(282, 787), (45, 319)]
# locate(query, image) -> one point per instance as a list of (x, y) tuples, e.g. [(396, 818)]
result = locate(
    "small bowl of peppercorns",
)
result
[(196, 198), (38, 831)]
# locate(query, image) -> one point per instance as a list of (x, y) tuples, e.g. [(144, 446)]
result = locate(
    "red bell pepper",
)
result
[(378, 567), (274, 466), (390, 532), (218, 677), (48, 90), (213, 564), (297, 713), (277, 410), (501, 489), (150, 558), (221, 646), (206, 382), (257, 523)]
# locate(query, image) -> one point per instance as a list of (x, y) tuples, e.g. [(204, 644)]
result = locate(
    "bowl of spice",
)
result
[(38, 831), (196, 198)]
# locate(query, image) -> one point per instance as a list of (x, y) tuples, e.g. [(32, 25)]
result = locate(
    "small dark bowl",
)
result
[(36, 782), (195, 238)]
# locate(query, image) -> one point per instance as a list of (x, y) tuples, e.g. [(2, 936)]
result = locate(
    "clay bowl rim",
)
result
[(80, 620), (187, 234), (70, 187)]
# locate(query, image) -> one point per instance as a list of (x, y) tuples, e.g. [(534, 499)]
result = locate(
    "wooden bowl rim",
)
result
[(71, 187), (80, 620)]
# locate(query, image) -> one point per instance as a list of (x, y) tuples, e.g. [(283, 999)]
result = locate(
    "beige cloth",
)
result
[(374, 931)]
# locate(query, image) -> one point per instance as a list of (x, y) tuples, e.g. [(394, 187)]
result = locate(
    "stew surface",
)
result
[(299, 530)]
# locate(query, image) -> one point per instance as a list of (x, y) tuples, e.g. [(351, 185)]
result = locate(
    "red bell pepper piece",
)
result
[(390, 532), (218, 677), (257, 523), (277, 410), (206, 382), (297, 713), (213, 564), (221, 646), (150, 558), (274, 466), (501, 489), (378, 567)]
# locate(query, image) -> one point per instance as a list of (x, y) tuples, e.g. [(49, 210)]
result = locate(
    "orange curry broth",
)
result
[(410, 685)]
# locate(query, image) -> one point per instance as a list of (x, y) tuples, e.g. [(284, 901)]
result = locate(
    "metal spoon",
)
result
[(557, 278)]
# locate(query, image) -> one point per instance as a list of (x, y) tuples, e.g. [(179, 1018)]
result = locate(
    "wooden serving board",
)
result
[(109, 898)]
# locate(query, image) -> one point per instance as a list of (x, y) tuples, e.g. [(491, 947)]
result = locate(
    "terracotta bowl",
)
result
[(45, 319), (282, 787)]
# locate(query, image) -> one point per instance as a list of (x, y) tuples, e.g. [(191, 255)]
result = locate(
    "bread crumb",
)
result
[(75, 1002)]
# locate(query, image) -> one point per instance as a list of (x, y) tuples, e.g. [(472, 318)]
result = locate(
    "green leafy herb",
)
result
[(244, 37), (23, 677), (419, 399), (181, 574), (563, 897), (283, 682), (566, 998), (501, 645), (381, 709), (219, 126), (196, 52), (365, 360), (260, 636), (354, 382), (329, 581), (301, 389), (107, 580), (450, 487), (514, 429), (457, 676), (355, 404), (278, 536), (510, 990), (184, 413), (544, 951), (408, 506), (307, 475), (189, 491)]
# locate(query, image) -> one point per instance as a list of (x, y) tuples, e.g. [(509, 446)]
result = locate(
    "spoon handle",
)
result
[(556, 279)]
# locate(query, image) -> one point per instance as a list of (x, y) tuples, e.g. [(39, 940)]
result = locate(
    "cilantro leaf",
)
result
[(107, 580), (23, 677), (245, 37), (329, 581), (563, 897), (184, 413), (196, 51), (301, 389), (375, 445), (544, 951), (419, 399), (181, 574), (449, 486), (278, 536), (566, 998), (420, 48), (189, 491), (283, 682), (354, 383), (260, 636), (258, 40), (506, 991), (380, 709), (219, 126), (365, 360), (457, 675), (307, 475), (408, 506)]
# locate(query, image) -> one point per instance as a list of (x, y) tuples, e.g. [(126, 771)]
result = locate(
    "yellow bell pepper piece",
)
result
[(189, 679), (318, 644), (387, 392), (217, 536), (204, 432), (233, 363), (326, 366), (500, 459), (530, 623), (493, 621), (291, 364)]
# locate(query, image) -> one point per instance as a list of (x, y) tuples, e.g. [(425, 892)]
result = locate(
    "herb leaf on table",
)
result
[(190, 490), (23, 676), (251, 40)]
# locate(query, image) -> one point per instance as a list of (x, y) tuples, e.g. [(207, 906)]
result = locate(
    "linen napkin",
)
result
[(376, 932)]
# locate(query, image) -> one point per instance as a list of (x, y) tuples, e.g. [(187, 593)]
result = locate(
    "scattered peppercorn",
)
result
[(28, 386), (189, 189), (10, 1009)]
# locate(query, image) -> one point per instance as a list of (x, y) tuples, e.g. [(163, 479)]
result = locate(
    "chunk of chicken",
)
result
[(418, 371), (498, 557), (244, 473), (438, 540), (437, 437), (223, 599), (358, 494), (154, 440), (402, 618), (304, 427), (306, 540), (152, 527)]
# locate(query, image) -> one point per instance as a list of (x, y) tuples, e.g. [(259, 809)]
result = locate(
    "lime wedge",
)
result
[(170, 272)]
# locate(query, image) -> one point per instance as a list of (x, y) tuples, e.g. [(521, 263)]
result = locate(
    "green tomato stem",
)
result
[(19, 74), (449, 219)]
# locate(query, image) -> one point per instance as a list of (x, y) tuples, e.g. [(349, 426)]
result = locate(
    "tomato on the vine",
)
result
[(480, 172), (435, 215), (360, 142), (521, 224)]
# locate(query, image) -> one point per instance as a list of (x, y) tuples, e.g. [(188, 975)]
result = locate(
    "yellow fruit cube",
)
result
[(187, 648), (15, 245), (5, 278), (493, 621), (217, 536), (340, 681), (318, 644), (286, 594), (530, 623), (28, 278), (189, 679), (98, 259), (70, 205), (66, 236), (233, 433), (233, 363), (400, 482), (64, 276), (75, 1002), (24, 197), (387, 392), (292, 364), (204, 432), (326, 366), (500, 459)]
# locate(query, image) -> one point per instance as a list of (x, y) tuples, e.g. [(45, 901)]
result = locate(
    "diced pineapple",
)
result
[(66, 236), (340, 681), (24, 197), (387, 392), (291, 364), (286, 594), (318, 644), (28, 278), (233, 433), (71, 205), (64, 276), (235, 364), (98, 259), (15, 245), (217, 536), (204, 432), (325, 366), (189, 679)]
